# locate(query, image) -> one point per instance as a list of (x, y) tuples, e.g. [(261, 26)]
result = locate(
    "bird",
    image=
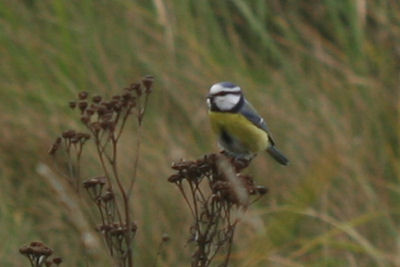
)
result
[(241, 132)]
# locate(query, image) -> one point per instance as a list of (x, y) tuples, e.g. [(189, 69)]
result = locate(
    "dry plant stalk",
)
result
[(215, 192), (38, 255), (105, 121)]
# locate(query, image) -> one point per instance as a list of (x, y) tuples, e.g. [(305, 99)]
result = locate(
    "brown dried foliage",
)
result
[(105, 120), (215, 192), (38, 254)]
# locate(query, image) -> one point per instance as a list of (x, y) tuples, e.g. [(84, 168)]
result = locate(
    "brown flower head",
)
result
[(82, 105), (72, 104), (57, 260), (68, 134), (96, 99), (94, 186), (83, 95), (148, 82)]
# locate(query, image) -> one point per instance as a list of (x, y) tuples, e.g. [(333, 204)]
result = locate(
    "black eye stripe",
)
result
[(222, 93)]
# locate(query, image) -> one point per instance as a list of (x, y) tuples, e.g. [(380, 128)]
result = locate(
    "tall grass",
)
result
[(325, 75)]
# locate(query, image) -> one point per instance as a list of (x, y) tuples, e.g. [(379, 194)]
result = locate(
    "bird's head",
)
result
[(224, 96)]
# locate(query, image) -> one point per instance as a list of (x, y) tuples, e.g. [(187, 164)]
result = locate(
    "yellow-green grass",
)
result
[(324, 74)]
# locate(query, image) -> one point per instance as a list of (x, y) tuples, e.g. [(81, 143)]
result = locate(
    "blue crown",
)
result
[(228, 84)]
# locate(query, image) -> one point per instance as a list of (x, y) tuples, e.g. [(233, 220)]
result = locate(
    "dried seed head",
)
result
[(100, 180), (118, 231), (25, 250), (165, 237), (148, 82), (72, 104), (222, 187), (107, 116), (133, 227), (36, 249), (85, 119), (109, 105), (94, 187), (83, 95), (134, 87), (101, 110), (36, 244), (82, 105), (118, 107), (45, 251), (108, 196), (68, 134), (180, 165), (174, 178), (96, 99), (57, 260), (261, 190), (95, 126), (80, 137), (248, 183), (126, 96), (225, 190), (90, 111), (103, 228)]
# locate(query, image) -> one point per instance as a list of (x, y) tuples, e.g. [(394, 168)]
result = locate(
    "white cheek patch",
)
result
[(217, 88), (226, 102)]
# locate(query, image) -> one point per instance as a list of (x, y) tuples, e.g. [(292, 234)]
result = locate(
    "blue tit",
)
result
[(241, 132)]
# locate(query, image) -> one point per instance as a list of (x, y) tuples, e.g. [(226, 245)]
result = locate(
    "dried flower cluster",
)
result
[(215, 191), (105, 120), (38, 255), (213, 187), (114, 229), (73, 143)]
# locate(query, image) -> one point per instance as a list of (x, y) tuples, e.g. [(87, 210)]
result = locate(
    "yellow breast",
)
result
[(252, 138)]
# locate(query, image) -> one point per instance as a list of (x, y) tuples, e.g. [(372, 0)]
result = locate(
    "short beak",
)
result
[(208, 96)]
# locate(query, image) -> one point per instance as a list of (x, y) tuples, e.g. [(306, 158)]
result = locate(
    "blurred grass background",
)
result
[(325, 74)]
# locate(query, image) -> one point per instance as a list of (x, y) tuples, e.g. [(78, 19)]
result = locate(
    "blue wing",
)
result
[(251, 114)]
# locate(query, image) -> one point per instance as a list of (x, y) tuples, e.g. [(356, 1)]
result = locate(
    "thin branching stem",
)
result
[(136, 162), (106, 121), (213, 201)]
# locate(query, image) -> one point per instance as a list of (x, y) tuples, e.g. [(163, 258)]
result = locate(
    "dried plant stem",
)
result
[(215, 191), (78, 167), (136, 162), (230, 243), (103, 165), (128, 112), (106, 121), (125, 199)]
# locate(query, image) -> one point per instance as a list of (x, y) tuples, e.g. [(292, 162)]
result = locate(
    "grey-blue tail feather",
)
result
[(277, 155)]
